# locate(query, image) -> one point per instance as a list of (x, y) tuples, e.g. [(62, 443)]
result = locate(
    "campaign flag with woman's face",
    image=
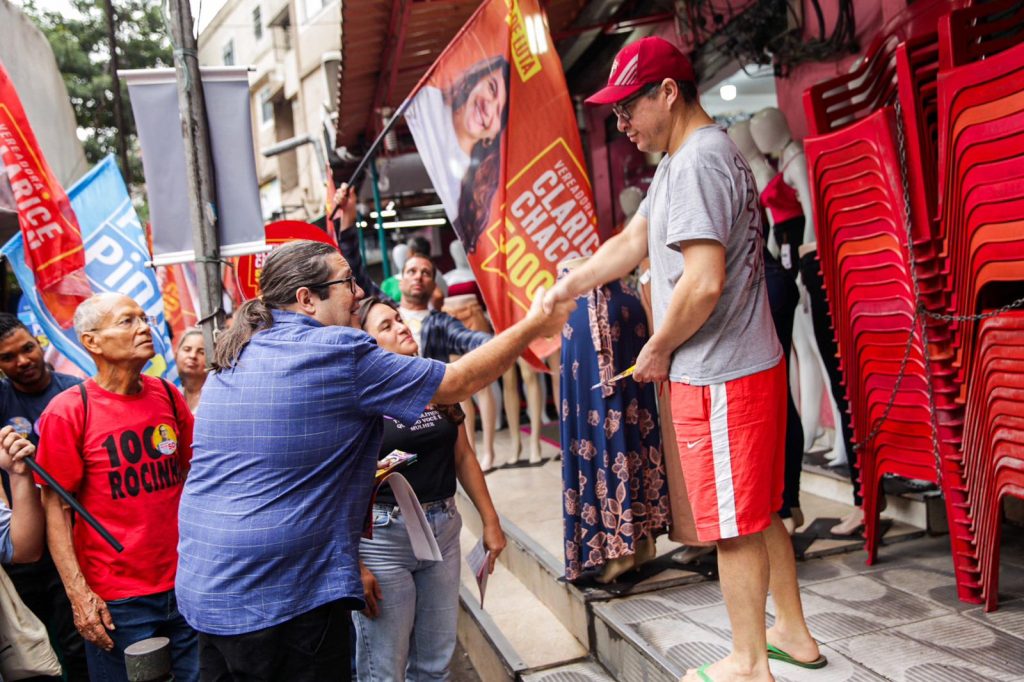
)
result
[(496, 130)]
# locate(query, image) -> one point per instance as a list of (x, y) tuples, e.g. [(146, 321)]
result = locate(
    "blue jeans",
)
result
[(413, 636), (139, 618)]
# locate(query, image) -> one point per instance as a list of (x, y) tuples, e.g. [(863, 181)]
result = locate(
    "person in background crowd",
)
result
[(714, 339), (191, 360), (420, 246), (121, 442), (408, 628), (286, 445), (28, 387), (22, 525), (438, 335)]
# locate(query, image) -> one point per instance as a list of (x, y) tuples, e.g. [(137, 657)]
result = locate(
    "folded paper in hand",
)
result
[(479, 561), (421, 537)]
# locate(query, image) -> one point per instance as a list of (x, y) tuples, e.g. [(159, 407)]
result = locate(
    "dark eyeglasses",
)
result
[(624, 109), (351, 280)]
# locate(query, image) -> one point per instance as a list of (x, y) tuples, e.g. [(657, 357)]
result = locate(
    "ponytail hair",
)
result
[(297, 264)]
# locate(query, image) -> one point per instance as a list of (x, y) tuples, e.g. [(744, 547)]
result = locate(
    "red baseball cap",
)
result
[(648, 60)]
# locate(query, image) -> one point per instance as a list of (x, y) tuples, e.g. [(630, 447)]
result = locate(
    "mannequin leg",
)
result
[(783, 297), (811, 382), (534, 408), (838, 454), (510, 394), (488, 416), (554, 362)]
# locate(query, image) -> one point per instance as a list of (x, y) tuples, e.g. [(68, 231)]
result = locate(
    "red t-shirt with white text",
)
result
[(129, 475)]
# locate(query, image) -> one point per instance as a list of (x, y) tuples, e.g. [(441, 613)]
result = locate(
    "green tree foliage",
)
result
[(79, 42)]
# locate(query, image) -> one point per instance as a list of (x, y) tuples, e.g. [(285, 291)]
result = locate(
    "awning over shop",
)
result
[(388, 45)]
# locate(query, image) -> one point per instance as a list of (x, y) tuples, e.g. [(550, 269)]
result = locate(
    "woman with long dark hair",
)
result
[(408, 629), (459, 131)]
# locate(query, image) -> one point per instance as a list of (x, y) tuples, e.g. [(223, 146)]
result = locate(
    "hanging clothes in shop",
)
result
[(614, 485), (788, 221)]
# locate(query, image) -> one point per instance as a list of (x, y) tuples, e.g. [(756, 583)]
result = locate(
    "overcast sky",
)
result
[(206, 9)]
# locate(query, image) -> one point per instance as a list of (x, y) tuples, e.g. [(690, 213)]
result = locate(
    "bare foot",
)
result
[(535, 454), (849, 524), (487, 462), (728, 670), (614, 568), (799, 645), (645, 549)]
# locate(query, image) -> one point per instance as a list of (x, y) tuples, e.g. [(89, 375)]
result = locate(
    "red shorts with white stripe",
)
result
[(732, 442)]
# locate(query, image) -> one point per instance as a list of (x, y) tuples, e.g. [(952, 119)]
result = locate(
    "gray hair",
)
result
[(91, 311)]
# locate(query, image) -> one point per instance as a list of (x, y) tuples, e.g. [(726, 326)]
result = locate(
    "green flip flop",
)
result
[(702, 673), (780, 655)]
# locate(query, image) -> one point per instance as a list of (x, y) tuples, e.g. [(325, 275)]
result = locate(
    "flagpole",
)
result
[(380, 138), (199, 171)]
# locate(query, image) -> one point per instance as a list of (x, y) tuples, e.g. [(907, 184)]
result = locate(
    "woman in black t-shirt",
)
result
[(408, 629)]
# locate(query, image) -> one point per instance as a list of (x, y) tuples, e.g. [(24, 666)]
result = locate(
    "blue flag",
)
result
[(115, 257)]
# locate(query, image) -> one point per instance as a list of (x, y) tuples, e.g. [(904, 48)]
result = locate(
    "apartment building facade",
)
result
[(293, 48)]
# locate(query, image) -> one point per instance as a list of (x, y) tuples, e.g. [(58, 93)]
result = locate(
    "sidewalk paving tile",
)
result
[(944, 649), (1009, 617), (850, 606)]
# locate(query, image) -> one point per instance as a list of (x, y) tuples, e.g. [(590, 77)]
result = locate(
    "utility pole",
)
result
[(122, 144), (199, 171)]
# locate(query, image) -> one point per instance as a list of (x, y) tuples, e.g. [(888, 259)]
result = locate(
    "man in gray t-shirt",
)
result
[(715, 341), (705, 191)]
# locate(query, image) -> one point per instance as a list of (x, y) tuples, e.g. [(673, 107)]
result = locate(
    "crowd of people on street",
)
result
[(242, 504)]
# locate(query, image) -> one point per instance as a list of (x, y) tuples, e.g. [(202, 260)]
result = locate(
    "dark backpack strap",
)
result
[(85, 419), (170, 396)]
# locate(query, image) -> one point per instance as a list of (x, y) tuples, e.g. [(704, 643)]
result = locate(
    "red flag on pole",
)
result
[(53, 240), (496, 130)]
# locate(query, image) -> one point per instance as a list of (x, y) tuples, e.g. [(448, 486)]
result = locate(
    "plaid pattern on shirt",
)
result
[(284, 452)]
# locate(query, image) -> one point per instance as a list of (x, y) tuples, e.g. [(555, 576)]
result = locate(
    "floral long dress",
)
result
[(613, 475)]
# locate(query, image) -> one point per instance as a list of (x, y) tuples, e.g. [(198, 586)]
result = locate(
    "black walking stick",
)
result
[(73, 503)]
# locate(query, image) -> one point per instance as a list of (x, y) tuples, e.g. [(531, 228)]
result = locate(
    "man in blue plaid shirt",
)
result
[(285, 447)]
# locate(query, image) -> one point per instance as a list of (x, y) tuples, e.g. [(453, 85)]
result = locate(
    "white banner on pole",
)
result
[(154, 97)]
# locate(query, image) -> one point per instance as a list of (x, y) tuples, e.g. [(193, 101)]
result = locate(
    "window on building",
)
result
[(257, 23), (312, 7), (229, 53), (266, 107)]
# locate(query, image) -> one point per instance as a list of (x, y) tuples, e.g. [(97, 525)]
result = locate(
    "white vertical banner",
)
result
[(154, 97)]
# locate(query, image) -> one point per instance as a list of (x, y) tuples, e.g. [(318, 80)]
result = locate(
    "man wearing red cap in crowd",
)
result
[(715, 341)]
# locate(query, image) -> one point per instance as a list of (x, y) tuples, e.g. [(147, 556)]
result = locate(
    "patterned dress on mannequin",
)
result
[(614, 485)]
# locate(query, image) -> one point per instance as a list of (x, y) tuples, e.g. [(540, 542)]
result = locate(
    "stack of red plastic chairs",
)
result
[(981, 182), (958, 75)]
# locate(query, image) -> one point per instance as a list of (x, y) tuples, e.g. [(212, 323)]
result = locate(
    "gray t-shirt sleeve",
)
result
[(6, 546), (645, 209), (705, 210)]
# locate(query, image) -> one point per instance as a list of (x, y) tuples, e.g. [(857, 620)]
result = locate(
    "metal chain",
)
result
[(919, 309)]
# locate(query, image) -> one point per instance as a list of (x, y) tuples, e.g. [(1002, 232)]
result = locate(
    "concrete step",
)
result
[(583, 671), (920, 510), (515, 632)]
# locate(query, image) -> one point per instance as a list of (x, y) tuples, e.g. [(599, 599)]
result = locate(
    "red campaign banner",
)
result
[(177, 287), (496, 129), (280, 232), (52, 238)]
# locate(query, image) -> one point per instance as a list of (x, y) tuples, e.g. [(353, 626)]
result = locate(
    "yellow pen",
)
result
[(621, 375)]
